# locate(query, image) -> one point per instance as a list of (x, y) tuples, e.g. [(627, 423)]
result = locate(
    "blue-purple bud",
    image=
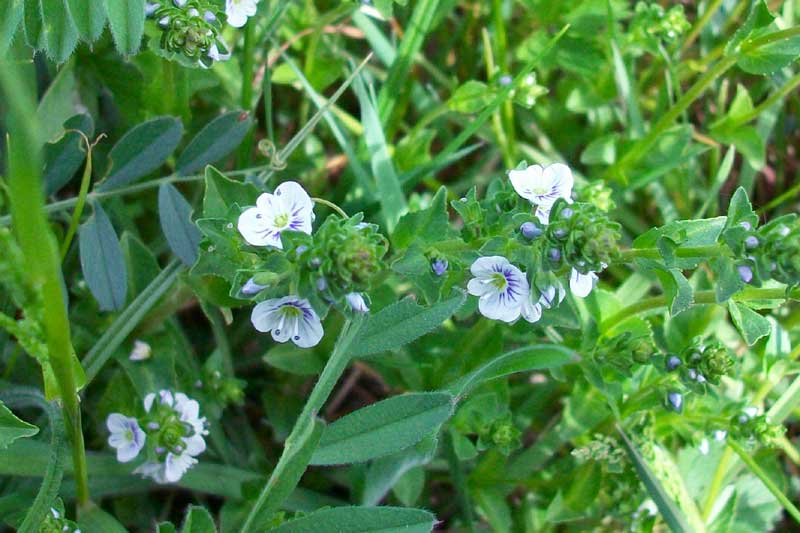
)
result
[(745, 273), (322, 284), (180, 3), (746, 225), (560, 233), (251, 287), (675, 401), (673, 362), (505, 80), (530, 231), (209, 17), (751, 242), (150, 8), (439, 266), (566, 213), (163, 23), (692, 374), (554, 254)]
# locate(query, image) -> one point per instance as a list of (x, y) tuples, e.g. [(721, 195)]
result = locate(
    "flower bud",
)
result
[(745, 273), (530, 230), (439, 266), (675, 401), (751, 242), (356, 302), (673, 362)]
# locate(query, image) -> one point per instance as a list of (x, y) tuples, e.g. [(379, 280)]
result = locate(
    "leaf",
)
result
[(535, 357), (430, 225), (771, 57), (142, 150), (471, 97), (362, 520), (686, 233), (401, 323), (60, 34), (198, 520), (383, 473), (669, 511), (11, 12), (12, 428), (740, 210), (175, 212), (89, 17), (677, 290), (222, 193), (383, 428), (58, 103), (216, 140), (32, 23), (126, 19), (64, 157), (95, 520), (102, 261), (750, 324)]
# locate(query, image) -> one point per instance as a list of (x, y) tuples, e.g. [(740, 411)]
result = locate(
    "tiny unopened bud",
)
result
[(675, 401), (530, 231), (141, 351), (692, 374), (150, 8), (560, 233), (356, 302), (720, 434), (153, 426), (209, 17), (163, 23), (300, 250), (180, 3), (745, 273), (751, 242), (746, 225), (439, 266), (701, 378), (673, 362), (566, 212), (322, 284), (251, 287), (506, 80), (554, 254), (160, 450), (194, 12)]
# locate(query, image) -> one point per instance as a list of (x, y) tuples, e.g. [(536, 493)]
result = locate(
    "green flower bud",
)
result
[(588, 239)]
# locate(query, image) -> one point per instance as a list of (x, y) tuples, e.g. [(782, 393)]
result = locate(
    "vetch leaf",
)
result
[(383, 428), (750, 324), (12, 428), (401, 323), (89, 17), (10, 16), (126, 19), (216, 140), (60, 34), (32, 23), (669, 511), (176, 222), (142, 150), (65, 156), (529, 358), (362, 520), (102, 261)]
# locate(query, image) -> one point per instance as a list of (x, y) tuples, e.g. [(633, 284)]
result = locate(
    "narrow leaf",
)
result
[(362, 520), (176, 222), (126, 19), (102, 261), (383, 428), (216, 140), (401, 323), (142, 150)]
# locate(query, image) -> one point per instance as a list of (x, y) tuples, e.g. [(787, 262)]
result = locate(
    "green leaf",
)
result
[(669, 511), (740, 210), (89, 17), (10, 16), (142, 150), (102, 261), (175, 213), (58, 103), (64, 157), (688, 233), (383, 473), (750, 324), (362, 520), (95, 520), (471, 97), (12, 428), (60, 34), (126, 19), (216, 140), (677, 290), (771, 57), (198, 520), (222, 193), (429, 225), (529, 358), (401, 323), (383, 428), (33, 24)]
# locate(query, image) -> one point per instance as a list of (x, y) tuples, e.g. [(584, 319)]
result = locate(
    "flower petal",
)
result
[(493, 307), (117, 423), (484, 267), (526, 181), (295, 201), (531, 311), (582, 284), (195, 445), (175, 466), (255, 227), (560, 179), (264, 315), (309, 331), (479, 287)]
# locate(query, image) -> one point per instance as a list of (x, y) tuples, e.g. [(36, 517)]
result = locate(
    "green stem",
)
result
[(711, 250), (790, 85), (459, 481), (80, 201), (773, 37), (334, 368), (332, 205), (701, 23), (246, 102), (765, 479), (26, 195)]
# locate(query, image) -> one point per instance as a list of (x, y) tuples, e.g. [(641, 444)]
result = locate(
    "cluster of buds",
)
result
[(584, 237), (602, 449), (651, 24), (751, 428), (56, 522), (701, 363), (625, 350), (191, 28), (171, 433)]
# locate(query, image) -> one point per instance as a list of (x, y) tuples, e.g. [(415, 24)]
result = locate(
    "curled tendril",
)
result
[(268, 149)]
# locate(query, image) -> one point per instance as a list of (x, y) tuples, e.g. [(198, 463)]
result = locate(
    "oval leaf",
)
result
[(216, 140), (102, 261), (362, 520), (126, 19), (142, 150), (176, 222), (383, 428), (401, 323), (65, 156)]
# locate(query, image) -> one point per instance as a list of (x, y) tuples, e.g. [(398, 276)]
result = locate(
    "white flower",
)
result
[(126, 436), (216, 55), (532, 311), (141, 351), (582, 284), (289, 208), (288, 317), (154, 471), (543, 186), (356, 302), (238, 11), (501, 287)]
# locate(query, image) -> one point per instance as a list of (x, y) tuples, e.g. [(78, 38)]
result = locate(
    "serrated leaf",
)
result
[(102, 261), (175, 213), (426, 226), (362, 520), (401, 323), (126, 19), (216, 140), (222, 192), (12, 428), (198, 520), (60, 34), (750, 324), (10, 16), (383, 428), (32, 24), (729, 282), (142, 150), (89, 17), (677, 290)]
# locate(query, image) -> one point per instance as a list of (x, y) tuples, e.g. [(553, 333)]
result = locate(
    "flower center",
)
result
[(129, 435), (540, 191), (291, 311), (281, 220), (499, 281)]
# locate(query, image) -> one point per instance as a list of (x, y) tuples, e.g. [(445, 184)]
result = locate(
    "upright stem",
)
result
[(246, 103), (334, 368)]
